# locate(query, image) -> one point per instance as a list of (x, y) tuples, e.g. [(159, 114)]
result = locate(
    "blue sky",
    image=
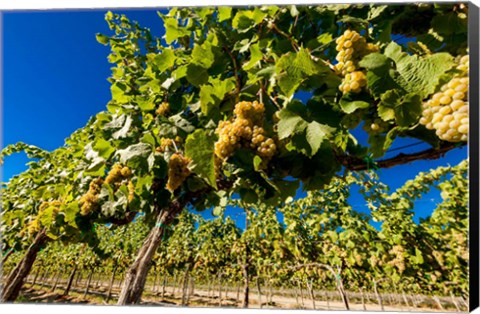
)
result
[(55, 77)]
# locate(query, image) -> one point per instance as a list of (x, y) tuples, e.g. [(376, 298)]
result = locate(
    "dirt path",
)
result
[(200, 298)]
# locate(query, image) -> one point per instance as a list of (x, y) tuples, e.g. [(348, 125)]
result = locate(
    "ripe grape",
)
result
[(375, 126)]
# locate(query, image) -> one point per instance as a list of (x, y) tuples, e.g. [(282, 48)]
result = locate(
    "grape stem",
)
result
[(175, 146)]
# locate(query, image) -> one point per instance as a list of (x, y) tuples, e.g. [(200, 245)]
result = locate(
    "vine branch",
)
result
[(236, 70), (357, 164)]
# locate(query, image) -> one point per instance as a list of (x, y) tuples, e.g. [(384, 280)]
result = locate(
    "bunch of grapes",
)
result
[(35, 225), (399, 261), (117, 174), (352, 47), (177, 171), (228, 141), (250, 111), (446, 111), (353, 82), (163, 109), (89, 201), (245, 130)]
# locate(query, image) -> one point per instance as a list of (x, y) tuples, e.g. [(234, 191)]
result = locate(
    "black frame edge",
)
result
[(473, 38)]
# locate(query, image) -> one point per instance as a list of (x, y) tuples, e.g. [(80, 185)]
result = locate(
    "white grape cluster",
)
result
[(117, 176), (163, 109), (177, 171), (351, 48), (446, 111), (244, 130), (36, 224), (168, 144), (398, 252), (89, 202)]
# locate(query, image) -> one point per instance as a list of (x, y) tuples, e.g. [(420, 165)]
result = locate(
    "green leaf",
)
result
[(290, 123), (257, 160), (422, 133), (172, 30), (197, 75), (244, 20), (419, 75), (96, 167), (165, 60), (405, 109), (375, 11), (294, 68), (202, 55), (224, 13), (255, 56), (449, 24), (146, 103), (125, 130), (325, 38), (149, 138), (213, 93), (374, 61), (409, 111), (102, 39), (293, 10), (376, 142), (118, 90), (349, 106), (199, 147), (316, 133), (135, 156), (103, 147), (418, 258), (71, 210), (379, 80)]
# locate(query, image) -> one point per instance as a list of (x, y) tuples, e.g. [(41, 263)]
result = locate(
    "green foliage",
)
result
[(208, 60)]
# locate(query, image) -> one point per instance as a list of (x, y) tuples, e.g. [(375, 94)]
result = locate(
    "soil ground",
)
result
[(201, 298)]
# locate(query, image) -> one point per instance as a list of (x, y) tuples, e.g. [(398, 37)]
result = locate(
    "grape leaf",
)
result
[(224, 13), (316, 133), (199, 147), (213, 93), (419, 75), (136, 155), (290, 123), (172, 30), (202, 55), (294, 68), (102, 39), (165, 60), (350, 106)]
